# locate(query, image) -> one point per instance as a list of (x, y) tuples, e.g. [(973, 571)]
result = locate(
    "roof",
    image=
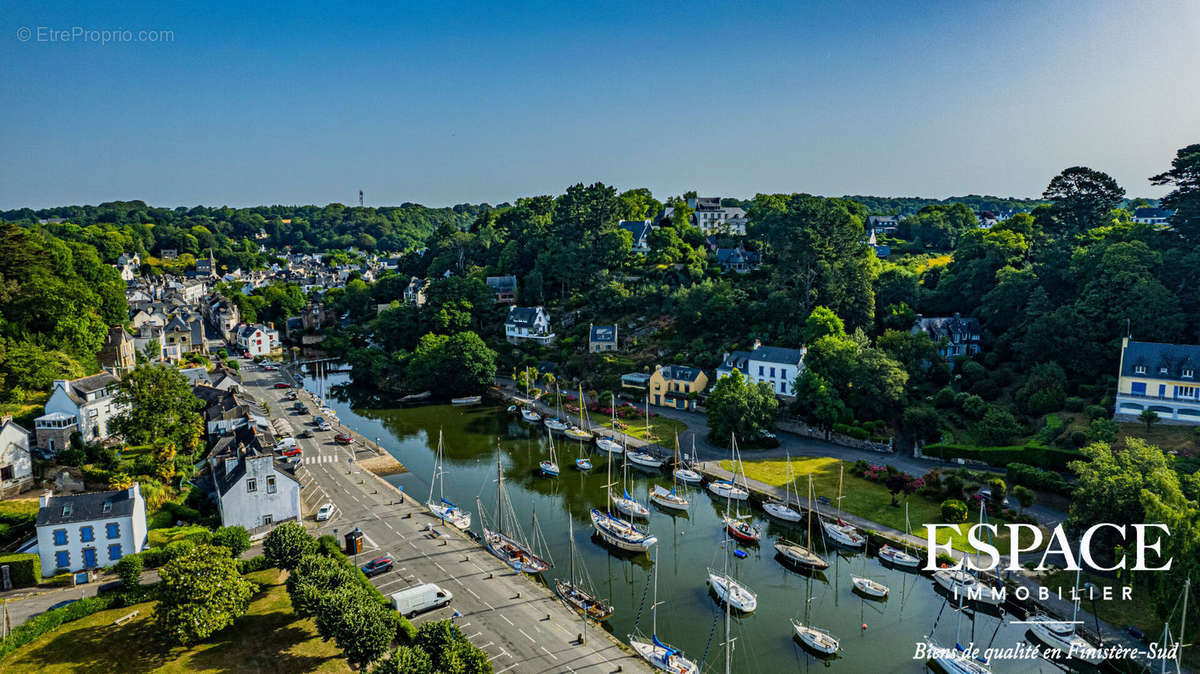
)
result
[(604, 333), (1150, 212), (949, 326), (218, 403), (707, 203), (117, 334), (1154, 356), (86, 507), (523, 316), (195, 375), (177, 324), (638, 228), (681, 373), (502, 284), (736, 255), (639, 377), (766, 354)]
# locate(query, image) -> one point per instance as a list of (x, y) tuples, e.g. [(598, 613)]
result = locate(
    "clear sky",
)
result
[(443, 102)]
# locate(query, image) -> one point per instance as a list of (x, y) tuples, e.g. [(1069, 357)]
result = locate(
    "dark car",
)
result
[(300, 409), (378, 565), (282, 385)]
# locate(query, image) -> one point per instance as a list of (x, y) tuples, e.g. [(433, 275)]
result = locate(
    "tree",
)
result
[(359, 624), (201, 592), (1185, 198), (821, 322), (1148, 417), (235, 538), (1024, 496), (157, 405), (450, 650), (129, 569), (1110, 483), (287, 544), (999, 490), (954, 511), (314, 578), (739, 406), (895, 483), (406, 660), (997, 427), (921, 422), (460, 364), (1082, 198), (818, 400)]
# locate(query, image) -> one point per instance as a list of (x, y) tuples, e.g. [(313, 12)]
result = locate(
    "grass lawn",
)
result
[(269, 638), (662, 429), (19, 508), (1182, 439), (862, 497)]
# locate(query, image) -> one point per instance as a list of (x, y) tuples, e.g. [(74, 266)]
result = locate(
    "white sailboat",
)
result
[(728, 590), (610, 443), (511, 549), (814, 638), (784, 510), (626, 503), (840, 532), (871, 588), (673, 499), (796, 554), (581, 433), (578, 594), (736, 523), (728, 489), (660, 655), (528, 415), (964, 584), (955, 660), (617, 532), (1061, 634), (556, 424), (642, 457), (901, 557), (443, 508), (549, 467), (685, 474)]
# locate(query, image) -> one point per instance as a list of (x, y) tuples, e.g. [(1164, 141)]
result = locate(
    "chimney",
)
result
[(757, 343), (5, 419), (957, 315), (44, 499)]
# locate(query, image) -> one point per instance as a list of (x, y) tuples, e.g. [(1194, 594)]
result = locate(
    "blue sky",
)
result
[(450, 102)]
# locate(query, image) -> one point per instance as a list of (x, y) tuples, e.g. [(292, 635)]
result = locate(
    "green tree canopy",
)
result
[(201, 592)]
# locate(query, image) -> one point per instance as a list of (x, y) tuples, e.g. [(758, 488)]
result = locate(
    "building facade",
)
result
[(258, 340), (525, 324), (88, 531), (1161, 378), (777, 366), (16, 464), (953, 335), (82, 406), (602, 338), (255, 491), (118, 355), (676, 386)]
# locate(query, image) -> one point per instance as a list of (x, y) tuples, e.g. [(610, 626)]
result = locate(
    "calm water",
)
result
[(690, 617)]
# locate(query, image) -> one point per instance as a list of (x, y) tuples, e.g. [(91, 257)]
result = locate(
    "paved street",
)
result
[(516, 621)]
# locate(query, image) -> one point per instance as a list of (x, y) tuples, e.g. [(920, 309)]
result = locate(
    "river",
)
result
[(876, 636)]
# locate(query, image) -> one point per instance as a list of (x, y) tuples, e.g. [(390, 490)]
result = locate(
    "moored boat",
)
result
[(869, 587), (443, 508), (466, 400), (529, 416), (729, 590), (728, 490), (960, 583), (621, 534), (815, 638), (898, 557), (798, 555), (644, 459), (668, 498), (609, 445), (742, 530)]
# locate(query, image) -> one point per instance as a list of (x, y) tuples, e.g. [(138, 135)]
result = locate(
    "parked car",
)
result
[(306, 433), (267, 367), (294, 451), (282, 385), (292, 395), (324, 512), (300, 410), (343, 438), (378, 565), (323, 425), (421, 598)]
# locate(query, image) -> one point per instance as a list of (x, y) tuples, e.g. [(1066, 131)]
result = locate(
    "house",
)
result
[(257, 340), (168, 253), (414, 294), (714, 219), (88, 531), (185, 331), (637, 381), (639, 230), (222, 314), (206, 266), (150, 336), (885, 224), (118, 355), (16, 465), (254, 488), (224, 412), (83, 406), (673, 386), (528, 324), (954, 335), (1158, 377), (881, 250), (196, 375), (1152, 216), (505, 288), (602, 338), (738, 260), (775, 365)]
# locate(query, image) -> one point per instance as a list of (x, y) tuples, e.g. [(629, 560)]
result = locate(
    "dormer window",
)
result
[(1140, 369), (67, 510), (1162, 370), (107, 507), (1188, 374)]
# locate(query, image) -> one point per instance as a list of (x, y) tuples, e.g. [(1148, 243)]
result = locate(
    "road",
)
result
[(518, 622)]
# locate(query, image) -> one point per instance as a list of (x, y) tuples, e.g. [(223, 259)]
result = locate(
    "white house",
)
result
[(79, 405), (528, 323), (713, 218), (16, 468), (639, 230), (254, 490), (778, 366), (86, 531), (1152, 216), (257, 340)]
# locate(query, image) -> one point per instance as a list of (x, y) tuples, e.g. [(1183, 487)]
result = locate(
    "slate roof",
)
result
[(93, 383), (680, 373), (767, 354), (949, 327), (708, 203), (522, 316), (502, 284), (604, 333), (177, 324), (85, 507), (638, 228), (1155, 356), (1150, 212)]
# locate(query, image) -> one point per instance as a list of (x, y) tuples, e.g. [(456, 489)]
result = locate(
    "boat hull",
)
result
[(800, 556), (467, 400), (742, 531), (548, 468), (661, 659), (620, 534), (898, 557), (961, 583), (815, 639), (609, 445), (530, 417), (643, 460), (688, 475), (733, 593), (729, 491), (870, 588), (578, 434), (666, 499), (512, 553), (451, 516), (955, 661), (582, 601), (843, 535), (1042, 628), (631, 507), (782, 512), (583, 464)]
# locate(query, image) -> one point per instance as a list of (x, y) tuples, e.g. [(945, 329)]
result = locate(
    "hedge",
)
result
[(1051, 458), (25, 570), (52, 619), (1036, 478), (852, 431)]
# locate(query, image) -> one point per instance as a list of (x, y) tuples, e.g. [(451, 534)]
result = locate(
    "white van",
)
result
[(421, 598)]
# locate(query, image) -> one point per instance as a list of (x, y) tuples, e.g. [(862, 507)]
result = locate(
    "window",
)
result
[(270, 484), (251, 484), (107, 508), (783, 373), (67, 510), (1138, 388), (60, 536), (1162, 370), (267, 519), (89, 558), (114, 552), (1140, 369), (760, 370), (772, 373), (1188, 374), (86, 535), (62, 559), (783, 387), (113, 530)]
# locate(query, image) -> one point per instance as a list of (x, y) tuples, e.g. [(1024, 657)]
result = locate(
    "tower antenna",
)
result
[(360, 198)]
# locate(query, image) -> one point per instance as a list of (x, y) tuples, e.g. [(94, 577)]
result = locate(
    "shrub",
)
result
[(1096, 411), (328, 546), (253, 564), (1036, 478), (1074, 404), (997, 427), (286, 544), (24, 570), (944, 399), (954, 511), (999, 489), (177, 549), (182, 512), (1078, 438), (986, 389), (974, 407), (236, 539), (130, 568), (973, 371), (1046, 457), (852, 431), (952, 486), (921, 422)]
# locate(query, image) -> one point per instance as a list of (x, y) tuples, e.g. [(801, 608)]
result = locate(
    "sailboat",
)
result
[(626, 503), (512, 550), (643, 458), (738, 524), (839, 531), (1061, 634), (549, 467), (726, 489), (556, 424), (617, 532), (682, 472), (528, 415), (729, 590), (573, 590), (796, 554), (658, 654), (900, 557), (871, 588), (784, 511), (610, 443), (672, 499), (580, 433), (442, 508), (815, 638), (956, 660)]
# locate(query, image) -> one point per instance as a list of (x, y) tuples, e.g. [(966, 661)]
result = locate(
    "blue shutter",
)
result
[(89, 558), (114, 552), (1138, 388), (62, 559)]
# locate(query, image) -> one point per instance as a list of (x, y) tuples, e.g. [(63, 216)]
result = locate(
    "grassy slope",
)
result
[(269, 638), (860, 497)]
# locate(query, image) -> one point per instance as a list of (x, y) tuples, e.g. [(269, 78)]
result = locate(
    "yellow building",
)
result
[(1159, 377), (670, 386)]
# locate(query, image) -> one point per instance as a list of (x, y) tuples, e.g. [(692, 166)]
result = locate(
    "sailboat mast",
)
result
[(674, 477), (654, 606), (499, 492), (571, 536)]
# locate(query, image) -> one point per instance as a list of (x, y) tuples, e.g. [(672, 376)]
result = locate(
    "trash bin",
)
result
[(354, 542), (401, 490)]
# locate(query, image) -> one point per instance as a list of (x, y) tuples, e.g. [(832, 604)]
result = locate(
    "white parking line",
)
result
[(506, 619), (526, 635), (549, 653), (502, 671), (477, 597)]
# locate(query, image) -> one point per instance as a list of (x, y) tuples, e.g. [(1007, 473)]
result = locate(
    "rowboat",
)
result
[(466, 400)]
